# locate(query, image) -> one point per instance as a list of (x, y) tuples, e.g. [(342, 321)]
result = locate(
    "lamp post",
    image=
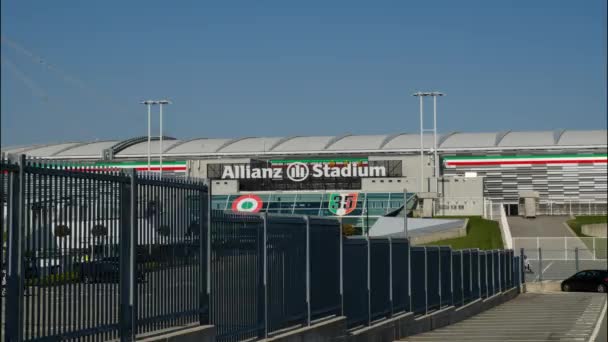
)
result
[(148, 104), (160, 146)]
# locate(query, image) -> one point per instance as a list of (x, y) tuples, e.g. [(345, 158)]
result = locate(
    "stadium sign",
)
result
[(247, 204), (342, 204), (299, 171)]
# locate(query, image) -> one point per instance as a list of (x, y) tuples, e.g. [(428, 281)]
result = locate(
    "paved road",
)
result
[(531, 317), (560, 269), (545, 226)]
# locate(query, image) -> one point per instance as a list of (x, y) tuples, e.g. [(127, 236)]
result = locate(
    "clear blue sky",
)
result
[(271, 68)]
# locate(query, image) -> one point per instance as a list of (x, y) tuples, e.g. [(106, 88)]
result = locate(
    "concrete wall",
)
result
[(392, 184), (406, 324), (186, 333), (595, 229), (441, 235), (326, 331)]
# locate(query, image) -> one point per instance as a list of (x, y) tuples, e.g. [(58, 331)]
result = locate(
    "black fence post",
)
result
[(126, 306), (341, 241), (203, 241), (15, 273), (521, 267), (540, 265), (308, 318), (390, 275), (369, 290), (576, 257), (262, 312)]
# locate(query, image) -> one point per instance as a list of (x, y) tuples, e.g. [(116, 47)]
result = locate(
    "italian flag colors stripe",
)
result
[(525, 160), (179, 166), (333, 162)]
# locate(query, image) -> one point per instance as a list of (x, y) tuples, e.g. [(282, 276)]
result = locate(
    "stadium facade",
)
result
[(363, 176)]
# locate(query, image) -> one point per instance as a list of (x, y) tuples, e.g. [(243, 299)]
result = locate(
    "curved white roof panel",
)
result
[(299, 144), (470, 140), (49, 150), (356, 142), (514, 139), (142, 148), (582, 138), (201, 147), (249, 145), (409, 141), (198, 146), (94, 149)]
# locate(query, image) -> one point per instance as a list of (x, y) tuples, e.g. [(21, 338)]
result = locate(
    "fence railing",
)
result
[(570, 207), (379, 283), (563, 248), (100, 254), (106, 255), (539, 267)]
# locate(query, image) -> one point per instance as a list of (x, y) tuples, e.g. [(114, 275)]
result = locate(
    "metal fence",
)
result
[(437, 276), (550, 262), (564, 207), (105, 255), (563, 248), (569, 207), (100, 255)]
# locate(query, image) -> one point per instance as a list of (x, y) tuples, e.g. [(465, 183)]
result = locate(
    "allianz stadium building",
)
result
[(362, 177)]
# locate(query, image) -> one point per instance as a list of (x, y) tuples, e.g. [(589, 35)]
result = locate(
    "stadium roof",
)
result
[(347, 143)]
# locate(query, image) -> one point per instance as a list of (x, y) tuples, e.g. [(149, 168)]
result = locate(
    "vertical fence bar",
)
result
[(576, 258), (462, 277), (14, 295), (133, 253), (369, 290), (307, 270), (426, 285), (409, 273), (479, 273), (341, 242), (439, 277), (265, 268), (390, 275), (452, 275), (124, 314), (540, 265)]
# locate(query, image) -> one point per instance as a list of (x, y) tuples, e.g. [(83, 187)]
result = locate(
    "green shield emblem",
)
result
[(343, 204)]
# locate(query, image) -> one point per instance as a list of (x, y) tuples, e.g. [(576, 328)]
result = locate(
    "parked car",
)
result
[(588, 280), (103, 271)]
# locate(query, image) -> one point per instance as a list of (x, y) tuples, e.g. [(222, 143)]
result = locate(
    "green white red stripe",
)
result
[(176, 166), (554, 159), (339, 162)]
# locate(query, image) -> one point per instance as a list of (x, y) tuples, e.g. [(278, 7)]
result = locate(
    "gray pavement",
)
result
[(544, 226), (531, 317), (560, 269)]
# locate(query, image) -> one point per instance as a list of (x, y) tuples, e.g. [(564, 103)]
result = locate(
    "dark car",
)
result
[(588, 280), (103, 271)]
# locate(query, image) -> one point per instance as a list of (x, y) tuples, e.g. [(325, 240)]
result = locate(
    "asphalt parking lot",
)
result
[(532, 317)]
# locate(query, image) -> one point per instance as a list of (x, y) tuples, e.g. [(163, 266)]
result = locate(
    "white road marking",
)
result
[(599, 323)]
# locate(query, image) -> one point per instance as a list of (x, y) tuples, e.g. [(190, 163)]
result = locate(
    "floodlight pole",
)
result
[(149, 104), (421, 143), (420, 95), (160, 146)]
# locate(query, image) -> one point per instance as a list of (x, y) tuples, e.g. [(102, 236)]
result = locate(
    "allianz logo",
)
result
[(298, 172)]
